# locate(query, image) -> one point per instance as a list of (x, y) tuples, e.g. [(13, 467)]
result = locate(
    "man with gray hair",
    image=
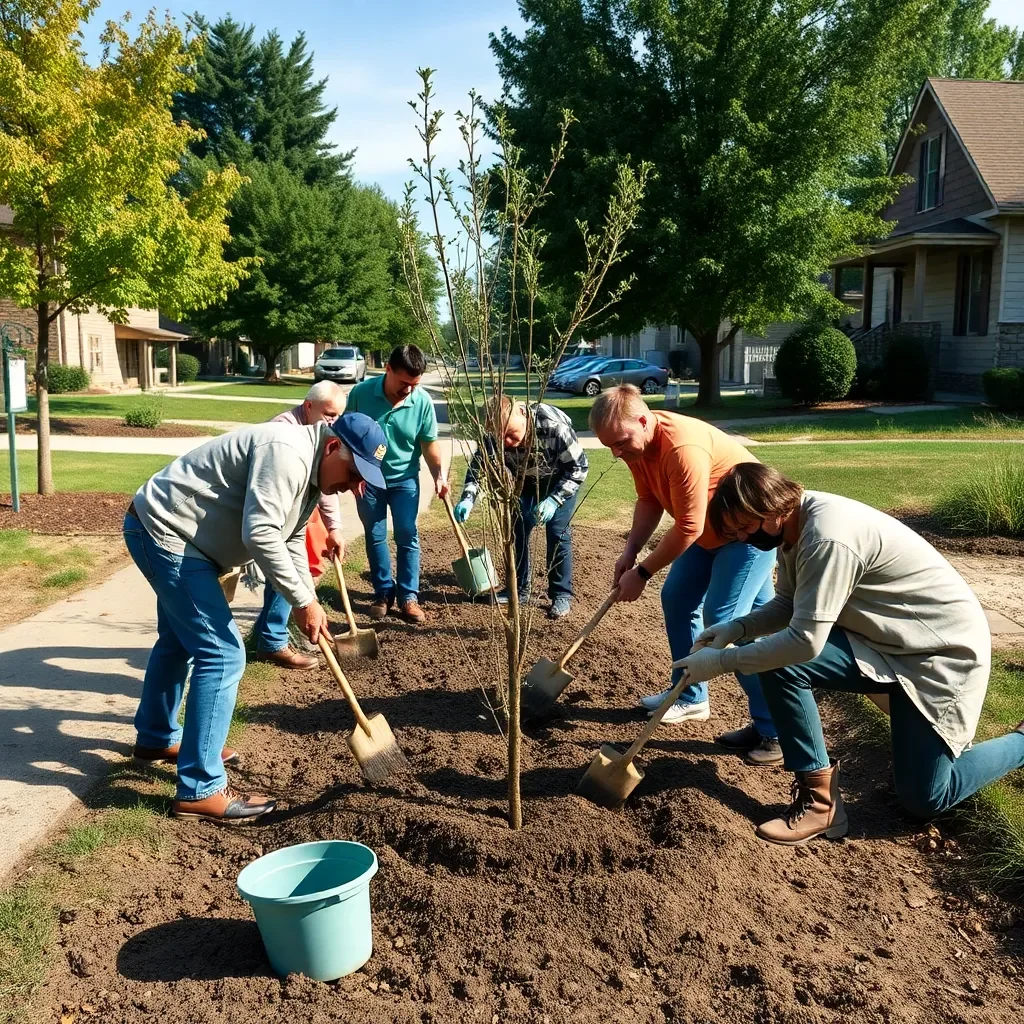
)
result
[(324, 403)]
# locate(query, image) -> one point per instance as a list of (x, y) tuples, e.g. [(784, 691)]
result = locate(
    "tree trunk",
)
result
[(44, 465), (512, 641), (709, 390)]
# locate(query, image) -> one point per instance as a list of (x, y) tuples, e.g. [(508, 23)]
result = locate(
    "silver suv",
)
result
[(341, 363)]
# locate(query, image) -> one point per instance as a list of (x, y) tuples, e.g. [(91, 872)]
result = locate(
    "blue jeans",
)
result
[(928, 778), (558, 533), (403, 498), (704, 587), (271, 627), (194, 629)]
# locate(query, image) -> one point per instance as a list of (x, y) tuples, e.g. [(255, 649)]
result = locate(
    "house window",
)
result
[(95, 353), (973, 288), (929, 178)]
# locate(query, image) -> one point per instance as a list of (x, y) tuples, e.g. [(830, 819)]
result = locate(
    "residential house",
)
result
[(116, 355), (952, 270)]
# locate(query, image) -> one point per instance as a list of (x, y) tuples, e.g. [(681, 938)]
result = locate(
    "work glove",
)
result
[(546, 511), (719, 635), (462, 511), (701, 666)]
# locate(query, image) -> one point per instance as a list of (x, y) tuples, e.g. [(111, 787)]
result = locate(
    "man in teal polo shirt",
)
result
[(406, 415)]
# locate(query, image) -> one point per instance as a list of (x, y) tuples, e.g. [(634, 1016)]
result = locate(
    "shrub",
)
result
[(63, 379), (677, 364), (188, 368), (242, 364), (816, 363), (145, 414), (1004, 388), (989, 500), (906, 366)]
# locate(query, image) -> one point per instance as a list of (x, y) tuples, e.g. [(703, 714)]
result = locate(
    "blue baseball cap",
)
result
[(366, 441)]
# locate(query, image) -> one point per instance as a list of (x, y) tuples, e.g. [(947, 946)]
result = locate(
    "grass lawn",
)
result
[(254, 389), (171, 408), (87, 471), (955, 424)]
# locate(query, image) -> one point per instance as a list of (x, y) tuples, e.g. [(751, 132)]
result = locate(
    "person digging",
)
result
[(324, 403), (676, 462), (244, 496), (406, 414), (543, 453), (865, 605)]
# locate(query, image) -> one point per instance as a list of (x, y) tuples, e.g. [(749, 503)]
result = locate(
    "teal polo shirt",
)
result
[(406, 425)]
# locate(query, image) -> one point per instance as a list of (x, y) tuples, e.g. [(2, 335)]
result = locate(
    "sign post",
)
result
[(15, 396)]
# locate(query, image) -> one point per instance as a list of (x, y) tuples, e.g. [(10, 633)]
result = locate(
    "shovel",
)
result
[(474, 570), (612, 776), (372, 742), (356, 643), (547, 679)]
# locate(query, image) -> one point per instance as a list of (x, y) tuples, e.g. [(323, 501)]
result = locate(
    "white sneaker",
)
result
[(653, 702), (680, 712)]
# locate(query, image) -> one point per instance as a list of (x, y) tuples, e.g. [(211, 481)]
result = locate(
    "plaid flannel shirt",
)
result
[(552, 455)]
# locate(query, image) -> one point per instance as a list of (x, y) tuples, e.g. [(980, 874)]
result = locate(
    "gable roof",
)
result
[(988, 120)]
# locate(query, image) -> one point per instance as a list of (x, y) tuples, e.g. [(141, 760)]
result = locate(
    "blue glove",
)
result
[(462, 511), (546, 510)]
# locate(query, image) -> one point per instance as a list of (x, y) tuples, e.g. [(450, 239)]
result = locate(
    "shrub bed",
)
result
[(816, 363), (64, 379)]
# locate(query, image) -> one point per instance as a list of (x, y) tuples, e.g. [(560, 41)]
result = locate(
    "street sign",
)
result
[(16, 392), (14, 340)]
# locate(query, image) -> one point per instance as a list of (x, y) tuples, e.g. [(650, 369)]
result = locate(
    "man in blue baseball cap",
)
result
[(244, 496)]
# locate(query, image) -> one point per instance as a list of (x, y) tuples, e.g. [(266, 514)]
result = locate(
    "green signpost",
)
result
[(16, 340)]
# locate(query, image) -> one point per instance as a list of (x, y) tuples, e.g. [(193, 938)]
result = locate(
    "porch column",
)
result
[(920, 271), (143, 379), (172, 364), (869, 295)]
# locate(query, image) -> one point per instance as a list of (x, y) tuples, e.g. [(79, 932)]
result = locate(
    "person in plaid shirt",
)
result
[(543, 454)]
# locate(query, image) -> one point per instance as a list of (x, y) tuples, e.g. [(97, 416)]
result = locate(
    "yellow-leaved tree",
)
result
[(87, 156)]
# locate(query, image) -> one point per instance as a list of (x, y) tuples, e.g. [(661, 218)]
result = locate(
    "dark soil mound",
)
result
[(669, 911), (73, 512)]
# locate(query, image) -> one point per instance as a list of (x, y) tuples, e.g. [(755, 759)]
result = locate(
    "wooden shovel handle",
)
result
[(459, 535), (344, 595), (332, 664), (589, 627), (648, 730)]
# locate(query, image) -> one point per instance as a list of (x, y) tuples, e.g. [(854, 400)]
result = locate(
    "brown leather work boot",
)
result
[(380, 608), (225, 808), (287, 657), (169, 755), (412, 612), (817, 809)]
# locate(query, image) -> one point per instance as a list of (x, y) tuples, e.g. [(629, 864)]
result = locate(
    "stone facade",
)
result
[(1010, 345), (13, 314)]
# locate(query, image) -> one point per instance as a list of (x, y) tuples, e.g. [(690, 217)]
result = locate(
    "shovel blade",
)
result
[(378, 753), (360, 644), (610, 779), (542, 687)]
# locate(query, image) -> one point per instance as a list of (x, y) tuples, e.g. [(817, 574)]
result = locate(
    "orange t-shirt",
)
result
[(680, 470)]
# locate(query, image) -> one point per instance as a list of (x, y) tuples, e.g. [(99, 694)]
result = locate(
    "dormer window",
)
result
[(929, 178)]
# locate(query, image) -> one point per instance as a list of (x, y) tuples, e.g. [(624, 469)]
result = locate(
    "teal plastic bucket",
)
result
[(475, 574), (312, 906)]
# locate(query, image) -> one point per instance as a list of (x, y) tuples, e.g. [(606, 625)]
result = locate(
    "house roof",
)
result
[(988, 118), (130, 331), (957, 226)]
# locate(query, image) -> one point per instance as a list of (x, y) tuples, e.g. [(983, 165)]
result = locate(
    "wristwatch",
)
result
[(643, 573)]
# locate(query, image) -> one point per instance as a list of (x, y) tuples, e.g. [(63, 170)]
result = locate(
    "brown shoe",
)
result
[(169, 755), (380, 608), (412, 612), (287, 657), (817, 809), (767, 754), (225, 808)]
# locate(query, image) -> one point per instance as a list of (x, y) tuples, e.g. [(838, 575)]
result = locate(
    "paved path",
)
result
[(70, 678)]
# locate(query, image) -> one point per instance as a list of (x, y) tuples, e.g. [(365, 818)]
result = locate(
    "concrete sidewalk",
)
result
[(70, 679)]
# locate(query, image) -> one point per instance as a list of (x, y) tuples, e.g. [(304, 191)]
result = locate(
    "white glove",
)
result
[(701, 666), (719, 635)]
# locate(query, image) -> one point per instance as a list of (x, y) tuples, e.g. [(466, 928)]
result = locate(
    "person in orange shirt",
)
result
[(676, 462)]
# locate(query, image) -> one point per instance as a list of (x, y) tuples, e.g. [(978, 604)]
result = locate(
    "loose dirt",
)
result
[(67, 513), (99, 426), (669, 911)]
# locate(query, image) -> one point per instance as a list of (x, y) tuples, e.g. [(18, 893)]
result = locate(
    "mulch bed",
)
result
[(93, 512), (668, 911), (956, 544), (99, 426)]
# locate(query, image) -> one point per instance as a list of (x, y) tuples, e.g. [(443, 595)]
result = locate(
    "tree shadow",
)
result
[(195, 949)]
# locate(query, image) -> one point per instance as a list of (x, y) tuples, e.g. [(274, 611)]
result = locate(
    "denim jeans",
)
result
[(271, 627), (704, 587), (928, 778), (194, 629), (403, 498), (558, 533)]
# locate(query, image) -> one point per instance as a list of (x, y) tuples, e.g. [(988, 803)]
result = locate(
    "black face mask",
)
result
[(762, 540)]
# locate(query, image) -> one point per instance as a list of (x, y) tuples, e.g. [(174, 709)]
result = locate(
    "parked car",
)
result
[(594, 376), (570, 369), (342, 363)]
